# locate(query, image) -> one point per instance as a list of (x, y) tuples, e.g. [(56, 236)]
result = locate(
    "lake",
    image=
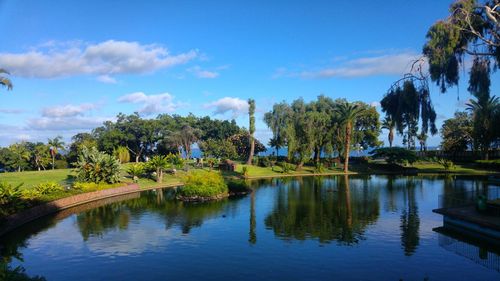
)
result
[(311, 228)]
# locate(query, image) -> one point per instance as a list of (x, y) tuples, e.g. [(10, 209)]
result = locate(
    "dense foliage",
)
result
[(95, 166), (395, 155), (456, 133), (203, 184), (319, 127)]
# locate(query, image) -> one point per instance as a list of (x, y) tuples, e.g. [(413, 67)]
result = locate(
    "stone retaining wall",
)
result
[(16, 220)]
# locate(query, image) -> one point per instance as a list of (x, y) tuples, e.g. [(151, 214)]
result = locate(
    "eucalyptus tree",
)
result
[(55, 145), (251, 129), (5, 81), (389, 125), (348, 113)]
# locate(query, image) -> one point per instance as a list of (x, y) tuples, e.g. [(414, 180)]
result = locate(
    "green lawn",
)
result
[(31, 178), (457, 169), (254, 171)]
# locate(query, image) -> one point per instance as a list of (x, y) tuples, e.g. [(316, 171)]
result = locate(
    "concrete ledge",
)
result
[(16, 220)]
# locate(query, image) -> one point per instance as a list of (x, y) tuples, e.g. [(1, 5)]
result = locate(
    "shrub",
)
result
[(319, 168), (92, 186), (10, 199), (48, 188), (395, 155), (211, 163), (244, 170), (135, 171), (203, 184), (122, 154), (447, 164), (95, 166), (287, 167), (61, 164), (265, 162)]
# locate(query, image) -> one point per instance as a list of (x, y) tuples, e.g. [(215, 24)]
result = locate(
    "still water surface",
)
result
[(323, 228)]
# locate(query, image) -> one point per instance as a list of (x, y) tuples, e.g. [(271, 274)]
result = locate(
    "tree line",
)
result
[(132, 137)]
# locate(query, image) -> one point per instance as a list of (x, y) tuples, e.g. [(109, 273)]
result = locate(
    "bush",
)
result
[(61, 164), (122, 154), (287, 167), (203, 184), (48, 188), (136, 171), (10, 199), (92, 186), (395, 155), (447, 164), (319, 168), (95, 166), (244, 171), (265, 162)]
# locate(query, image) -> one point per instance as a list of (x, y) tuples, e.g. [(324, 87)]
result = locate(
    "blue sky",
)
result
[(75, 64)]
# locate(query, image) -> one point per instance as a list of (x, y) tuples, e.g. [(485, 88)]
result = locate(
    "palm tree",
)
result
[(483, 115), (422, 139), (55, 144), (251, 114), (348, 113), (4, 81), (390, 125)]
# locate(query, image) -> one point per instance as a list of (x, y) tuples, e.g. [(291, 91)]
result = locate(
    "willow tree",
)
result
[(471, 32), (4, 81), (348, 113), (276, 120), (251, 129), (406, 105)]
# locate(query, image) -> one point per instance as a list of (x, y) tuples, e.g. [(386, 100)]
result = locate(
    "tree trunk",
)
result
[(391, 137), (347, 146), (317, 155), (252, 149), (136, 158), (299, 165), (53, 162), (159, 175)]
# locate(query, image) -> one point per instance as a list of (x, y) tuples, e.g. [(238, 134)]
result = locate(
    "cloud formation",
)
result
[(224, 105), (102, 59), (389, 64), (68, 110), (201, 73), (161, 103)]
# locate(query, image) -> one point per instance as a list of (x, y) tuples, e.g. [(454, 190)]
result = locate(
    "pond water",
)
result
[(322, 228)]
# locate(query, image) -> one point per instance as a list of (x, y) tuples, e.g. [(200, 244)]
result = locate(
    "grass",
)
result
[(29, 179), (469, 169)]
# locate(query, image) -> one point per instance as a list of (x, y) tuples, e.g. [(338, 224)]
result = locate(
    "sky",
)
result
[(76, 64)]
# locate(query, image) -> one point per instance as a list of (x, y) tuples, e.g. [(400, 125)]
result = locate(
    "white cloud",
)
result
[(236, 106), (200, 73), (103, 59), (375, 103), (389, 64), (65, 123), (161, 103), (106, 79), (11, 110), (68, 110)]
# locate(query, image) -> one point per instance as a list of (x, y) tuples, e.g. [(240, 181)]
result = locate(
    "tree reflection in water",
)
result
[(410, 221), (117, 216), (327, 209)]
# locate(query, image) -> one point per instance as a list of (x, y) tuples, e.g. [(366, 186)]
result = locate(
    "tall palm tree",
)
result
[(422, 139), (4, 81), (348, 113), (251, 129), (484, 112), (389, 125), (55, 144)]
